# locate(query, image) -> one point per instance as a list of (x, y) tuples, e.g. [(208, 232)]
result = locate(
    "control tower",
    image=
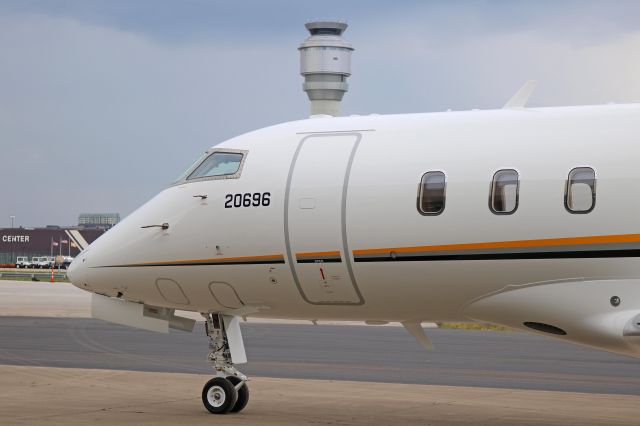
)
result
[(325, 64)]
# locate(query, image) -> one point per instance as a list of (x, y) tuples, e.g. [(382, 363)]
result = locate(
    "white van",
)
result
[(23, 262), (46, 262)]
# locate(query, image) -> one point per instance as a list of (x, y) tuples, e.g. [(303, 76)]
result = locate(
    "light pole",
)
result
[(12, 254)]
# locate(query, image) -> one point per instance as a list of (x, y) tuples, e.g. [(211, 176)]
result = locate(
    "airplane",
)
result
[(520, 217)]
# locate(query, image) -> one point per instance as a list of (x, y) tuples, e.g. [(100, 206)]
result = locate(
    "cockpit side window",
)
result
[(218, 164), (214, 165)]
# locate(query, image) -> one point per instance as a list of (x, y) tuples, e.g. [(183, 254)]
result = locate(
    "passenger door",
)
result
[(315, 219)]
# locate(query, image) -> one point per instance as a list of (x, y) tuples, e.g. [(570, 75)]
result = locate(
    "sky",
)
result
[(103, 103)]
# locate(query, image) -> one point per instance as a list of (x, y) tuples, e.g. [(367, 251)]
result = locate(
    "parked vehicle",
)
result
[(66, 261), (42, 262), (47, 262), (23, 262)]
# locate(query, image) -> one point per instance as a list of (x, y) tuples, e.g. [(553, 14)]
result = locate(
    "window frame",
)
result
[(491, 186), (593, 191), (444, 198), (208, 154)]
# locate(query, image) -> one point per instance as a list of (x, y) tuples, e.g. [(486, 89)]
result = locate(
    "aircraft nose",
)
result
[(72, 269), (77, 272)]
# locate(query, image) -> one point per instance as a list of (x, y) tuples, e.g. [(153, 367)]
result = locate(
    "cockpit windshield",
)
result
[(218, 164), (189, 169)]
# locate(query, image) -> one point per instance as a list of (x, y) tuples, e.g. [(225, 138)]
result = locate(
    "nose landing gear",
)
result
[(228, 392)]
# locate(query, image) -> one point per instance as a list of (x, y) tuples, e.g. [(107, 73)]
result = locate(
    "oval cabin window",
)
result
[(580, 192), (503, 198), (431, 196)]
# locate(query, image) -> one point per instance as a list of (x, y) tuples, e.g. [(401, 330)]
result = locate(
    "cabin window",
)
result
[(219, 163), (431, 194), (580, 192), (503, 198)]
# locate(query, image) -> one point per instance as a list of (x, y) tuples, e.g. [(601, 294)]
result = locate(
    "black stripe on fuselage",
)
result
[(578, 254), (401, 257), (231, 262), (320, 260)]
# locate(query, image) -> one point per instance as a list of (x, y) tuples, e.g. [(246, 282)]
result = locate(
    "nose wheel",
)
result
[(219, 395), (225, 395), (228, 392)]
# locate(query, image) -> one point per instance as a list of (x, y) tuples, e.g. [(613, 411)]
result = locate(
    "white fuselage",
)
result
[(339, 235)]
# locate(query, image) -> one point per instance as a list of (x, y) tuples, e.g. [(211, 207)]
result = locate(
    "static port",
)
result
[(615, 301)]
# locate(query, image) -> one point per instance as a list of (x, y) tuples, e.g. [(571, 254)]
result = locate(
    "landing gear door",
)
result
[(315, 219)]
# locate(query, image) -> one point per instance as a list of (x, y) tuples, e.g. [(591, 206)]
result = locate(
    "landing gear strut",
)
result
[(228, 391)]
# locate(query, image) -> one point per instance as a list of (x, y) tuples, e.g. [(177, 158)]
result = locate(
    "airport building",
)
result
[(98, 220), (49, 241)]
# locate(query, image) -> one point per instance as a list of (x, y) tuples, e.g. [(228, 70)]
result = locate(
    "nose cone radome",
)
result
[(77, 272)]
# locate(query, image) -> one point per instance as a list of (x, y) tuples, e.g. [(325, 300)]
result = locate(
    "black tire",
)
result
[(243, 394), (219, 395)]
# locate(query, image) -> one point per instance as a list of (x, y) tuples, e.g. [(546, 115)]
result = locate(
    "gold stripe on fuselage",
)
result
[(319, 254), (547, 242), (539, 243)]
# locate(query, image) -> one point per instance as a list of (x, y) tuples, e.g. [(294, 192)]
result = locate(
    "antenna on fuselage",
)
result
[(325, 64)]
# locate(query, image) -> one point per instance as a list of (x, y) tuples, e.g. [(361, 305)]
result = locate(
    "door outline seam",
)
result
[(343, 215)]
